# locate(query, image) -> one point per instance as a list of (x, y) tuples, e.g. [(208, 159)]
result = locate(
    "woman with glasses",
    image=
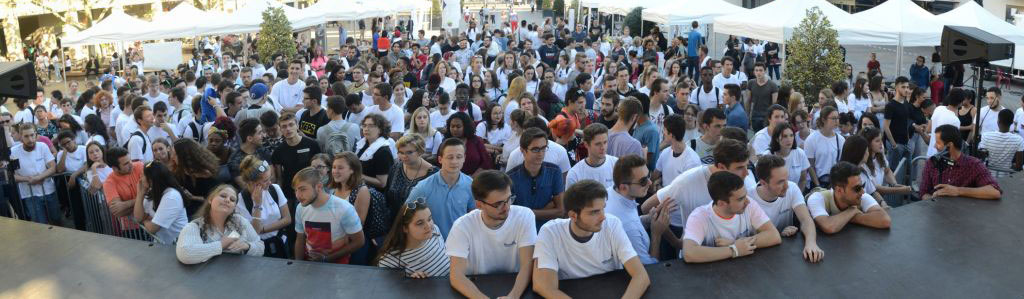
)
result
[(415, 244), (784, 145), (410, 170), (477, 93), (824, 146), (158, 203), (264, 205), (217, 229), (322, 163), (477, 158), (376, 152), (801, 122), (692, 132)]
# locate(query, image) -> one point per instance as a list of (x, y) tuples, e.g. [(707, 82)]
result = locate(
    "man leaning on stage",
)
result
[(846, 202), (963, 176)]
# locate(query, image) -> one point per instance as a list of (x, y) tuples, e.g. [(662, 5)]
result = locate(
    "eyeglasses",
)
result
[(538, 149), (321, 167), (858, 188), (500, 204), (644, 181), (415, 204)]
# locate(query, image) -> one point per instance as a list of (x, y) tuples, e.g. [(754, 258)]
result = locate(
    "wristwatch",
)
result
[(735, 252)]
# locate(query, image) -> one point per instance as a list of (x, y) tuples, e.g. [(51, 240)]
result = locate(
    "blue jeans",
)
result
[(774, 69), (42, 209), (898, 152), (692, 69)]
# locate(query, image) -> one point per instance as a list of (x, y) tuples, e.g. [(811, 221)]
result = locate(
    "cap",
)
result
[(258, 90)]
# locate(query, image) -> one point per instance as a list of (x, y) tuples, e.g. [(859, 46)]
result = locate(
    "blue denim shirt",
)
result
[(536, 192), (735, 116), (446, 203)]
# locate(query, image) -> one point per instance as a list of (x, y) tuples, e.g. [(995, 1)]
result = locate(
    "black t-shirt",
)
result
[(917, 117), (898, 114), (308, 124), (380, 163), (292, 159)]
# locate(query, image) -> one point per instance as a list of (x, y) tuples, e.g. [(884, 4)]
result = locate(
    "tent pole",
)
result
[(899, 56), (64, 67)]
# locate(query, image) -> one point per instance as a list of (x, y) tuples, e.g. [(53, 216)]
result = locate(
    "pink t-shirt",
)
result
[(704, 225)]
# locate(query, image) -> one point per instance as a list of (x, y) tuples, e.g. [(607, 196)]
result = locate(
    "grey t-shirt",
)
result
[(704, 151), (621, 144), (761, 96)]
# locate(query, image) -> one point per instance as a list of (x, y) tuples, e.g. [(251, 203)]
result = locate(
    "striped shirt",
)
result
[(430, 258), (1002, 147)]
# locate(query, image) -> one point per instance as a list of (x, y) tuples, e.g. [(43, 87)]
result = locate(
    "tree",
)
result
[(69, 14), (559, 7), (275, 36), (633, 20), (814, 60)]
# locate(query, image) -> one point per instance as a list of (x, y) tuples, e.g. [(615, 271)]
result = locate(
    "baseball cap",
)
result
[(258, 90)]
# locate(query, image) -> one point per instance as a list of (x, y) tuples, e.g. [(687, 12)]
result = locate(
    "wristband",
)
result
[(735, 252)]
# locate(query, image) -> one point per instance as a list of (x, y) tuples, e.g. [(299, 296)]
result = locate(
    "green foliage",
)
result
[(559, 7), (633, 20), (275, 34), (814, 60)]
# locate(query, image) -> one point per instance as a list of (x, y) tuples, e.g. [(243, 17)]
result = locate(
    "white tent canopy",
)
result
[(973, 15), (170, 25), (916, 26), (624, 7), (775, 22), (116, 27), (331, 11), (685, 11), (248, 18)]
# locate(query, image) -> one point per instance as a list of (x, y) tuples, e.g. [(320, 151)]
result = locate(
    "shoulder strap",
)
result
[(693, 144), (136, 133), (718, 101), (838, 148), (247, 200), (196, 135)]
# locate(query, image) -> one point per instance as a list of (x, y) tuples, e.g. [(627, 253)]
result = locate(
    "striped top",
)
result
[(430, 258)]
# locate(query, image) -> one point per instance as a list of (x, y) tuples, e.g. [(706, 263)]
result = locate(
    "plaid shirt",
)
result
[(968, 172)]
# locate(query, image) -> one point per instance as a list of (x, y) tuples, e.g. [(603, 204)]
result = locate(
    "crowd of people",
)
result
[(536, 149)]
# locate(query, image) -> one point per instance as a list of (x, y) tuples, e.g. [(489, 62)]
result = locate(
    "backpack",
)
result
[(137, 133), (247, 197), (338, 142), (196, 135), (718, 99)]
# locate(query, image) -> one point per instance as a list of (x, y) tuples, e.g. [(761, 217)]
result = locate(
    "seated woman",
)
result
[(264, 205), (494, 130), (477, 158), (217, 229), (158, 203), (877, 168), (420, 125), (410, 170), (855, 151), (346, 182), (376, 152), (415, 244)]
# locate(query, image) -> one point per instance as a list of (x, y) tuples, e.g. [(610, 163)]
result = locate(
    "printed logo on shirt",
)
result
[(510, 244), (609, 261), (301, 151)]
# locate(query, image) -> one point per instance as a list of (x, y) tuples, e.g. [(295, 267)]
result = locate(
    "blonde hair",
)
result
[(794, 102), (516, 88), (414, 140), (415, 129)]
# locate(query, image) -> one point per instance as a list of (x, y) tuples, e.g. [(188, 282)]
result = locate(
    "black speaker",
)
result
[(962, 44), (18, 80)]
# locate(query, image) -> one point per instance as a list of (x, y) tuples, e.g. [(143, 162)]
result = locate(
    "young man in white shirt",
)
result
[(160, 127), (391, 112), (140, 147), (598, 165), (632, 180), (729, 226), (782, 201), (945, 115), (689, 190), (555, 154), (439, 117), (37, 164), (153, 93), (707, 95), (175, 106), (763, 139), (584, 245), (496, 238), (990, 113), (846, 202), (327, 227), (727, 76), (287, 94), (678, 157)]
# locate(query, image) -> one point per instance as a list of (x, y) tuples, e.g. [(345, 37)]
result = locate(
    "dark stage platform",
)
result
[(948, 248)]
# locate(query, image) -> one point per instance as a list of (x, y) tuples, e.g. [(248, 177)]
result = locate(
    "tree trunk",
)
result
[(12, 33)]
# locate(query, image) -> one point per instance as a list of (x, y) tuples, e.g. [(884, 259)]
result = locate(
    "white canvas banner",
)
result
[(161, 56)]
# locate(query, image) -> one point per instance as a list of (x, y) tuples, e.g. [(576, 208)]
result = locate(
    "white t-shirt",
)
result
[(941, 116), (24, 116), (160, 97), (780, 211), (492, 251), (583, 171), (606, 251), (1018, 122), (287, 95), (671, 165), (762, 140), (271, 211), (816, 204), (336, 218), (824, 150), (796, 162), (706, 100), (357, 118), (720, 81), (155, 132), (556, 154), (170, 215), (841, 106), (859, 105), (497, 136), (394, 115), (626, 210), (989, 119), (75, 160), (704, 225), (33, 163), (140, 148), (690, 190), (438, 120)]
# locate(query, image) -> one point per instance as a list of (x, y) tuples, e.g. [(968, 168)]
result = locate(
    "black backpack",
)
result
[(196, 135), (137, 133)]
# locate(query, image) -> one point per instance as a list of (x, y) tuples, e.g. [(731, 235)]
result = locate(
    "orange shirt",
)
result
[(123, 187), (383, 44)]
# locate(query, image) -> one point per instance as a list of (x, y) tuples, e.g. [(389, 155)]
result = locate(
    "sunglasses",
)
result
[(500, 204), (644, 181), (411, 206)]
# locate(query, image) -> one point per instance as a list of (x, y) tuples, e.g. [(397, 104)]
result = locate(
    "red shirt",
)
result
[(936, 88), (874, 65), (968, 172)]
